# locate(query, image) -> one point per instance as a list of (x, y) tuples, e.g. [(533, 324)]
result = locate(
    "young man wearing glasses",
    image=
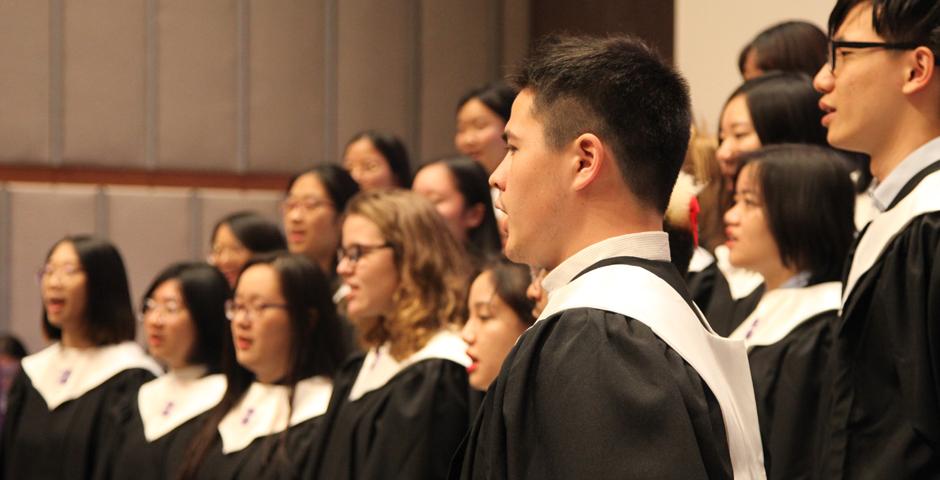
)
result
[(881, 95)]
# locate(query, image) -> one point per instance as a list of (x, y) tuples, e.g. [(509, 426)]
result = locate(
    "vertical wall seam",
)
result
[(56, 39), (150, 88), (195, 220), (102, 212), (414, 83), (241, 85), (6, 256), (330, 81)]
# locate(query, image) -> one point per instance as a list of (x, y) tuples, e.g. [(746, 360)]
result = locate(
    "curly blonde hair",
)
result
[(432, 265)]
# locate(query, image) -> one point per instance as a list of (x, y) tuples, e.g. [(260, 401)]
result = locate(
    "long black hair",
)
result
[(109, 314), (318, 347), (204, 291)]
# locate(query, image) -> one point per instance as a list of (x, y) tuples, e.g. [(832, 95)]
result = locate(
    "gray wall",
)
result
[(152, 227), (240, 85)]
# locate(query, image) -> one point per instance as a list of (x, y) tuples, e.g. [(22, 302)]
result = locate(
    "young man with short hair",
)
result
[(620, 377), (881, 95)]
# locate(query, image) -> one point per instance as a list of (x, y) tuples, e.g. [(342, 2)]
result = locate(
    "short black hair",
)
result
[(256, 233), (907, 21), (394, 151), (497, 96), (784, 108), (622, 91), (204, 290), (339, 185), (510, 282), (473, 184), (809, 201), (793, 46), (109, 312)]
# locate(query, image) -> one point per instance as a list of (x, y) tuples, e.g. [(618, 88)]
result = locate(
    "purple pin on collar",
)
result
[(64, 377), (247, 416), (168, 409)]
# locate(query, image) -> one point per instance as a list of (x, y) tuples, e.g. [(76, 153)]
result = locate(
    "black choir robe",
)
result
[(61, 418), (788, 350), (255, 439), (711, 292), (592, 394), (397, 420), (884, 411), (160, 422)]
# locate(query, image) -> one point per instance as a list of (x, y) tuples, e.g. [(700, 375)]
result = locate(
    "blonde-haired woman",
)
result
[(401, 410)]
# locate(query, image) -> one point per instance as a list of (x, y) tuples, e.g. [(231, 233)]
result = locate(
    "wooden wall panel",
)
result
[(375, 68), (104, 68), (197, 48), (40, 215), (152, 227), (457, 45), (286, 84), (24, 81)]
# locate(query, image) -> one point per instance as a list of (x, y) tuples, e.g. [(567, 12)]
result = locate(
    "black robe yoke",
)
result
[(884, 418), (591, 394), (76, 440), (407, 429), (789, 378)]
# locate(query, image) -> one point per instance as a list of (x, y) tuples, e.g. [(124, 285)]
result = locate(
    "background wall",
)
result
[(157, 92), (709, 35)]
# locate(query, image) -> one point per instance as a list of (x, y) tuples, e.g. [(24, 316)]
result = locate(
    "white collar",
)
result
[(781, 310), (380, 366), (648, 245), (884, 192), (722, 363), (886, 226), (177, 397), (700, 260), (61, 374), (264, 408)]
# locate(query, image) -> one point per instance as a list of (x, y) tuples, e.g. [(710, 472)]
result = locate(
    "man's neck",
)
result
[(888, 156)]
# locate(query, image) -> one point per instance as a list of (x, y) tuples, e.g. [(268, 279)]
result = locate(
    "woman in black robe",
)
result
[(401, 410), (792, 222), (60, 420), (184, 316), (288, 344)]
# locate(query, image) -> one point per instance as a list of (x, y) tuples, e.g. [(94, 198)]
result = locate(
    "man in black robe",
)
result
[(881, 95), (620, 377)]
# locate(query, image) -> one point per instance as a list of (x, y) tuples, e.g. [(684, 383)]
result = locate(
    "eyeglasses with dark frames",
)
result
[(834, 45), (354, 252)]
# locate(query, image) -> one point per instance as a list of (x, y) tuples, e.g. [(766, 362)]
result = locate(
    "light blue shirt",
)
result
[(884, 192)]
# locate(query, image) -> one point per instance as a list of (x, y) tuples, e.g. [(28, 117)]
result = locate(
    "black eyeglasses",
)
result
[(836, 44), (354, 252)]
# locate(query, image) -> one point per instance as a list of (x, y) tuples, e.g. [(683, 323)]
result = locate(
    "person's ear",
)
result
[(590, 158), (473, 216), (919, 70)]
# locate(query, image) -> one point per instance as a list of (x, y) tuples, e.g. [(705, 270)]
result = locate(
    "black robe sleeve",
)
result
[(884, 419), (409, 428), (77, 440), (593, 394), (789, 380)]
